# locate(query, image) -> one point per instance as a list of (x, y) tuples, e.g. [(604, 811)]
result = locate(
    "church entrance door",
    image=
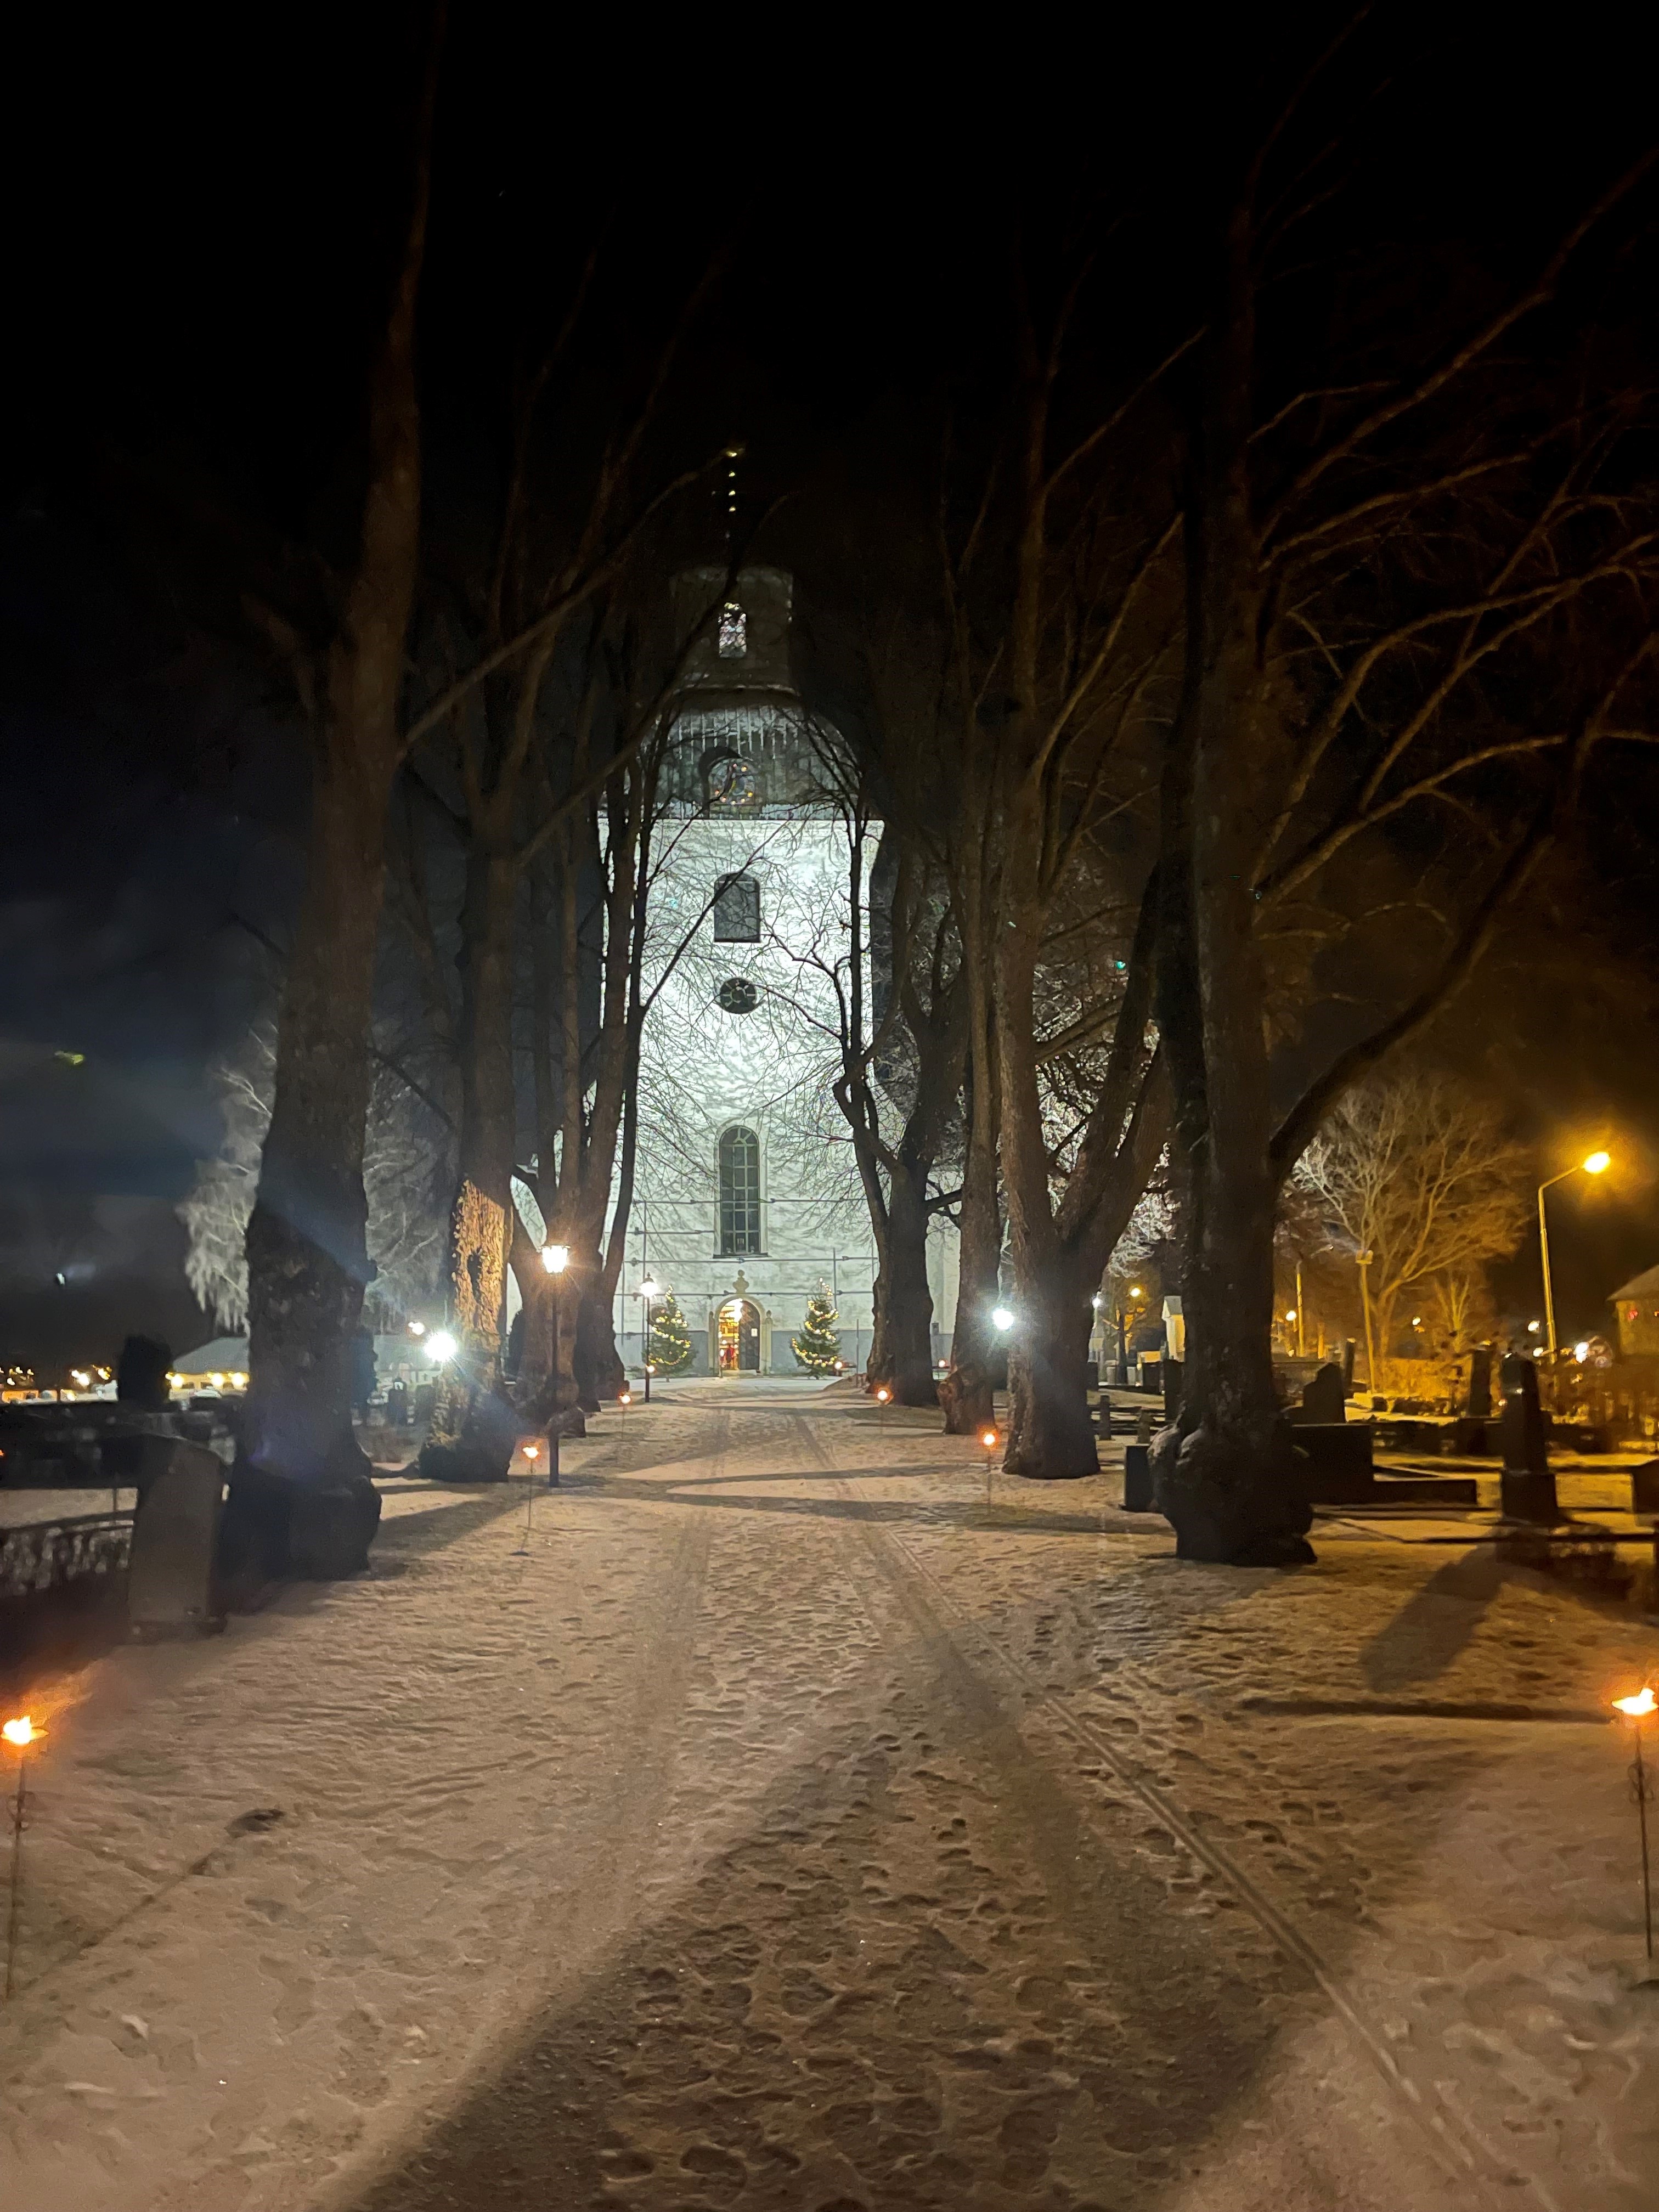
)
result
[(739, 1337)]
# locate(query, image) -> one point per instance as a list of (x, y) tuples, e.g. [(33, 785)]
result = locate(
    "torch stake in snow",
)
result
[(1637, 1709), (20, 1733), (533, 1452)]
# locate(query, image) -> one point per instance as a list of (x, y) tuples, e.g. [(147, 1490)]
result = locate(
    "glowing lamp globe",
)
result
[(441, 1345), (1598, 1164), (1002, 1320), (649, 1289), (555, 1258), (988, 1439)]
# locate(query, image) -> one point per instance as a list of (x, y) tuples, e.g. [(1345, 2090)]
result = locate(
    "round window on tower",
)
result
[(738, 995)]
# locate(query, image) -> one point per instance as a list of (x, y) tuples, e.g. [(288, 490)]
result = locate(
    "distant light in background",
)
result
[(442, 1346)]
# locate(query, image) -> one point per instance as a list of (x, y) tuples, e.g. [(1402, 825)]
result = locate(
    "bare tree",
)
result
[(1419, 593), (405, 1177), (1421, 1173)]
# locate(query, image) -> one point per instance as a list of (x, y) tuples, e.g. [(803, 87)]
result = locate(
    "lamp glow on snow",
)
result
[(20, 1733), (1636, 1709)]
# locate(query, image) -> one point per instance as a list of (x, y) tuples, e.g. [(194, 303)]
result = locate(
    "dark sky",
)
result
[(204, 233)]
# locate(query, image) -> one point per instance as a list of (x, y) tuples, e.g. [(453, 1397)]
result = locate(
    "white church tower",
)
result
[(747, 1195)]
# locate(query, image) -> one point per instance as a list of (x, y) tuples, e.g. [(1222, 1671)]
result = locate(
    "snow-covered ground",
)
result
[(788, 1822)]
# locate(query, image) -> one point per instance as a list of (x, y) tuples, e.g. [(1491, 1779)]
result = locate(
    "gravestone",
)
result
[(1172, 1373), (171, 1584), (1138, 1479), (1333, 1459), (1347, 1366), (1528, 1486), (1322, 1400)]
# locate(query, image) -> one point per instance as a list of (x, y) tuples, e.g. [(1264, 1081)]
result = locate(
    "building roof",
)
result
[(226, 1354), (1639, 1287)]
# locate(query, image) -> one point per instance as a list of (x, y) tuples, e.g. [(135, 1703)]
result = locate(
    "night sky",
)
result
[(204, 235)]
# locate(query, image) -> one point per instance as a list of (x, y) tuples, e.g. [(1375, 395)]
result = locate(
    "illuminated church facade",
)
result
[(747, 1195)]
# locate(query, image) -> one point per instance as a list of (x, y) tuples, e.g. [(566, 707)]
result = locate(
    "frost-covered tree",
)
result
[(406, 1173), (1420, 1171)]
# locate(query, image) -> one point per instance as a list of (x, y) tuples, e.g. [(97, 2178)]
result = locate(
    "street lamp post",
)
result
[(648, 1290), (555, 1258), (1597, 1164)]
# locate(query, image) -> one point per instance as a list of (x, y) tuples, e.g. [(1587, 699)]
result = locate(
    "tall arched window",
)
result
[(737, 910), (740, 1200)]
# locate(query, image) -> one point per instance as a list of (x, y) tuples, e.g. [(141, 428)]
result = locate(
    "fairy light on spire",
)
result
[(734, 623)]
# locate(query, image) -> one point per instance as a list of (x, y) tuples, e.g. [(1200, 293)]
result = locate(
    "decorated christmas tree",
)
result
[(818, 1346), (669, 1348)]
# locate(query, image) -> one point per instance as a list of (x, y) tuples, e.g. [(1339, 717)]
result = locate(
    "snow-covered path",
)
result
[(792, 1826)]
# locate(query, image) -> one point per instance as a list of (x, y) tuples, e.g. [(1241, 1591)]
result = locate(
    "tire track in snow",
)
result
[(1457, 2145)]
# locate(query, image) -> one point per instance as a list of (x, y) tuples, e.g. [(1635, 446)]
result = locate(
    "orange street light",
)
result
[(1594, 1165), (1636, 1710)]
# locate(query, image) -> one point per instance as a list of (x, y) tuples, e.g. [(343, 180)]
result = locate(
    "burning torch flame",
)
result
[(1638, 1707), (882, 1397), (989, 1439), (21, 1732), (531, 1451), (627, 1397)]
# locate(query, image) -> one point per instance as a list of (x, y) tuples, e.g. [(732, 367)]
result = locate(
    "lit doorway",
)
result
[(739, 1337)]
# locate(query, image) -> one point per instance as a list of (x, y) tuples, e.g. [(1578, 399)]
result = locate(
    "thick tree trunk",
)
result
[(967, 1393), (1224, 1475), (474, 1425), (307, 1260), (908, 1302), (1050, 1436), (301, 1501)]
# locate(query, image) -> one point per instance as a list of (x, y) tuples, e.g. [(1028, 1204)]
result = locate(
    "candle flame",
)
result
[(21, 1732), (1642, 1702)]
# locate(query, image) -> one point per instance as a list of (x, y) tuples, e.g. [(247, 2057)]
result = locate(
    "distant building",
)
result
[(1636, 1313), (747, 1195)]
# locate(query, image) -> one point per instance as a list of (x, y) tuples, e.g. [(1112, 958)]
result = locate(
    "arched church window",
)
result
[(737, 910), (738, 995), (739, 1180)]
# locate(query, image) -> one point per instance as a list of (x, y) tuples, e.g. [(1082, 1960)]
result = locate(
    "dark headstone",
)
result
[(397, 1404), (1528, 1486), (1172, 1373), (171, 1585), (363, 1370), (1347, 1367), (1323, 1396), (1334, 1459), (1138, 1479), (141, 1373), (1478, 1406), (1645, 1489)]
